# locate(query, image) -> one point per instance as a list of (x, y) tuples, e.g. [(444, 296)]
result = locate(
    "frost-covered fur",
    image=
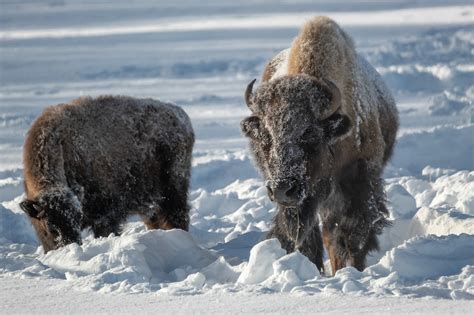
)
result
[(323, 126), (93, 162)]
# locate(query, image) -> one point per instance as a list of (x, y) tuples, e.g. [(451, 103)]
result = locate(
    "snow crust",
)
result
[(429, 245)]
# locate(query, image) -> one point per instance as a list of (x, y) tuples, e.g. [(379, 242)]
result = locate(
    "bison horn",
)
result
[(248, 93), (335, 98)]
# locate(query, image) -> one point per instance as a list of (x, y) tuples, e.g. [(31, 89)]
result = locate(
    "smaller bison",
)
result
[(322, 128), (94, 162)]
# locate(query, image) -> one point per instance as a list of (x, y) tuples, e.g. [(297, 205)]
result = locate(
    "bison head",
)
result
[(56, 216), (295, 120)]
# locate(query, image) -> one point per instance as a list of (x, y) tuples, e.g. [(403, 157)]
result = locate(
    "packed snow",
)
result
[(52, 52)]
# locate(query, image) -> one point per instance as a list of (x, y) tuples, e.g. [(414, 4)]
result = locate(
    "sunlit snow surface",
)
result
[(201, 57)]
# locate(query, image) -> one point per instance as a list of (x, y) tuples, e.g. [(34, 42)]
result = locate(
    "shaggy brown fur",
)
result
[(323, 126), (93, 162)]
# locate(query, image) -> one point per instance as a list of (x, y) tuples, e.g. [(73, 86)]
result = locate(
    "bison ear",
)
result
[(31, 208), (336, 126), (250, 126)]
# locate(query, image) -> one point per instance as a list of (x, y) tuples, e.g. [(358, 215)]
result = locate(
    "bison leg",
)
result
[(104, 229), (286, 228), (336, 261), (173, 210), (174, 177), (178, 213), (312, 248), (347, 249), (175, 205), (285, 241), (349, 235), (158, 221)]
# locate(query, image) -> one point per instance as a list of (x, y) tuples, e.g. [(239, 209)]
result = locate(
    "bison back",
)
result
[(114, 147)]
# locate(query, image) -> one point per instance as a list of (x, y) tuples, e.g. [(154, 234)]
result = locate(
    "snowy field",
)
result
[(201, 56)]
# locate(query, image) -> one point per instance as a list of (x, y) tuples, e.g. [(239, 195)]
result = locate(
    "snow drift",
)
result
[(427, 245)]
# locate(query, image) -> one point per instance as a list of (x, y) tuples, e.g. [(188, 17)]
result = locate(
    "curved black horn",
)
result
[(248, 93)]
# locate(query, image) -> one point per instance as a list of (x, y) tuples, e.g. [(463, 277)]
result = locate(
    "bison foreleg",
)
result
[(282, 236), (351, 233), (312, 248), (336, 262), (173, 210), (297, 229), (158, 220), (173, 177), (346, 248), (172, 213), (106, 226)]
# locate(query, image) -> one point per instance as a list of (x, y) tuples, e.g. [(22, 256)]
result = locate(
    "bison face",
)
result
[(57, 218), (295, 120)]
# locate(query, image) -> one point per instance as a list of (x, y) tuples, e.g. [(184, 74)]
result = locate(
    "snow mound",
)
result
[(14, 228), (426, 251), (445, 104), (271, 267), (261, 259), (402, 204), (135, 261), (437, 266), (438, 204), (456, 190), (415, 151), (427, 257), (224, 214), (441, 221)]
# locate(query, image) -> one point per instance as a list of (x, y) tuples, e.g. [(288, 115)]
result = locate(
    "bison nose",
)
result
[(287, 193)]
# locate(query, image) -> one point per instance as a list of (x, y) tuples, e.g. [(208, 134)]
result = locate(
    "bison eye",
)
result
[(252, 128), (309, 136), (336, 126)]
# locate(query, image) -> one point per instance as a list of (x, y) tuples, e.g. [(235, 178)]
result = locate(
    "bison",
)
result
[(322, 128), (95, 161)]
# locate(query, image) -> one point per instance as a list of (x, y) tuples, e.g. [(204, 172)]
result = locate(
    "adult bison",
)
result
[(322, 128), (93, 162)]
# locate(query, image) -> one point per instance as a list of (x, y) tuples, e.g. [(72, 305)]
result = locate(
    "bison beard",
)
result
[(321, 134)]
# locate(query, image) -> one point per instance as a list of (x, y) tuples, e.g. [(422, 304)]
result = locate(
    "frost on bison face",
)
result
[(294, 121), (322, 128), (56, 217)]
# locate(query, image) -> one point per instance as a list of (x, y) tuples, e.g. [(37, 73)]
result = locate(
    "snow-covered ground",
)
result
[(201, 56)]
